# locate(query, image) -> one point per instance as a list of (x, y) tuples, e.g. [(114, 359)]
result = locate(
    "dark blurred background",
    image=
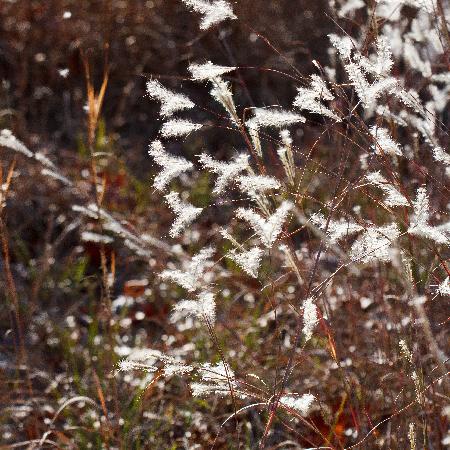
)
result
[(42, 43)]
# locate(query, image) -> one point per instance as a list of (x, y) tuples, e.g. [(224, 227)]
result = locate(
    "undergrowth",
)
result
[(280, 281)]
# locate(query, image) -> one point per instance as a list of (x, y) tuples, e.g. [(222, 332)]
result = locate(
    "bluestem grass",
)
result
[(301, 404), (301, 218), (178, 127), (171, 102), (370, 76), (248, 260), (172, 166), (208, 71), (213, 11), (227, 171), (362, 240)]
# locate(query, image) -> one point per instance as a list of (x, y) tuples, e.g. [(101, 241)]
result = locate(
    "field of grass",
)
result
[(224, 224)]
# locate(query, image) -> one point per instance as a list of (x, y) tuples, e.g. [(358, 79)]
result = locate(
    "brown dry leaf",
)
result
[(135, 288)]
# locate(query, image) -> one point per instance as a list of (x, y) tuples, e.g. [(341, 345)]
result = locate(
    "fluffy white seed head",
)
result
[(7, 139), (221, 92), (419, 221), (213, 12), (141, 359), (172, 166), (215, 372), (208, 71), (310, 99), (268, 229), (248, 260), (357, 67), (393, 196), (171, 102), (441, 156), (184, 211), (191, 277), (319, 87), (378, 65), (206, 389), (147, 359), (178, 127), (273, 118), (343, 44), (269, 118), (384, 143), (286, 139), (421, 207), (337, 229), (286, 155), (204, 308), (444, 287), (254, 185), (226, 171), (301, 404), (375, 244), (410, 98), (216, 380), (307, 100), (309, 318), (368, 93)]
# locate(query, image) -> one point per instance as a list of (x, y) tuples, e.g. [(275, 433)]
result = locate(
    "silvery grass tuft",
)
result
[(171, 102), (212, 11), (336, 201), (360, 95)]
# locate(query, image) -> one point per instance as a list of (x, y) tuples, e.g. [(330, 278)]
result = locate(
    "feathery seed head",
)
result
[(393, 196), (208, 71), (248, 260), (300, 404), (185, 212), (309, 318), (273, 118), (7, 139), (171, 102), (254, 185), (172, 166), (178, 127), (375, 244), (384, 142), (204, 308), (221, 92), (213, 12), (268, 229), (227, 171), (192, 277), (419, 221), (337, 229)]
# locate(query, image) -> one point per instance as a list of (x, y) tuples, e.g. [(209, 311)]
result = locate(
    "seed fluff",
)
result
[(185, 212), (213, 12), (171, 102), (268, 229), (172, 166)]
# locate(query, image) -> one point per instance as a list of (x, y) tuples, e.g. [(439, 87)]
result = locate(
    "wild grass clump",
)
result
[(280, 282)]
